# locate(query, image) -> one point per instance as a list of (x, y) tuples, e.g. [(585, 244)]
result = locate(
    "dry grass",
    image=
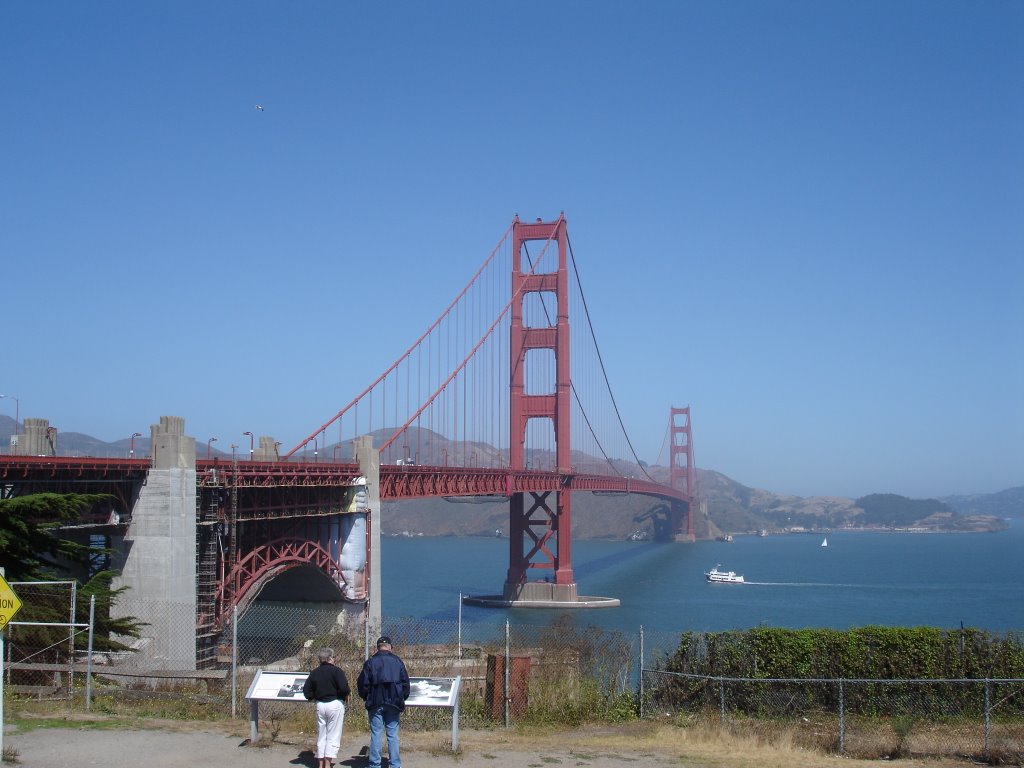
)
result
[(704, 745)]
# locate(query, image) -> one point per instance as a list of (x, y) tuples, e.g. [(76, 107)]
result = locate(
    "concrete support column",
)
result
[(38, 439), (369, 464), (267, 449), (157, 556)]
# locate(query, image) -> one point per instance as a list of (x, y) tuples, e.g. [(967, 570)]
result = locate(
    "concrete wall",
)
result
[(157, 557), (39, 439)]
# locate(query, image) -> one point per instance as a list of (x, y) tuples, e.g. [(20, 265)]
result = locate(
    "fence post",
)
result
[(3, 631), (366, 638), (842, 719), (721, 699), (641, 671), (88, 658), (234, 659), (460, 626), (72, 631), (508, 663), (987, 714)]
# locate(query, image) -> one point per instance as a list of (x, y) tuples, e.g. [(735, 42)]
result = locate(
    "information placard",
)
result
[(287, 686), (433, 691), (277, 686)]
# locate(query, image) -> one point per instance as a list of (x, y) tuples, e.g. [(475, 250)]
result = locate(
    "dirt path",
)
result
[(48, 747), (171, 744)]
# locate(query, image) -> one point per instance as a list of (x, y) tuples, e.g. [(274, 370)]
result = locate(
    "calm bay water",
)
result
[(892, 579)]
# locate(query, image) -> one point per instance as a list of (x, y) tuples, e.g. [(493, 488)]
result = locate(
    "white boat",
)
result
[(723, 577), (824, 542)]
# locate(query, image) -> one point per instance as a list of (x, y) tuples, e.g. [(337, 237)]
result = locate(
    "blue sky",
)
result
[(803, 219)]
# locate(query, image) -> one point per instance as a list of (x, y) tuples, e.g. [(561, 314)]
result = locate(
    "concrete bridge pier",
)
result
[(39, 439), (157, 555), (369, 464)]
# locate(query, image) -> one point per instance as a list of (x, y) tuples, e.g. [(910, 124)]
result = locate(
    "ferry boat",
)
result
[(723, 577)]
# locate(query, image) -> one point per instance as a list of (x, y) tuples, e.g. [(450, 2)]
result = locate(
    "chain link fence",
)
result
[(510, 673), (42, 650), (516, 674), (869, 719)]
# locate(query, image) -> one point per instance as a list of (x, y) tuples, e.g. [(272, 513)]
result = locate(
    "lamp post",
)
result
[(17, 412), (314, 449), (209, 447), (277, 453), (250, 444), (131, 444), (233, 459)]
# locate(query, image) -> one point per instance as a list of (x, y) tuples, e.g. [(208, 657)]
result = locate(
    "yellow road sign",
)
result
[(10, 603)]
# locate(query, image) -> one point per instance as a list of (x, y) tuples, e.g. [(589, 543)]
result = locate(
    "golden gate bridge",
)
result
[(499, 396)]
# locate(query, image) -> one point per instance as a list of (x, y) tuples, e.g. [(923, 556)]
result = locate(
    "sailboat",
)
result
[(824, 542)]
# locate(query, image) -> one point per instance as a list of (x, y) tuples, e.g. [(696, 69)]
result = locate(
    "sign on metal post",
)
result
[(287, 686), (10, 603)]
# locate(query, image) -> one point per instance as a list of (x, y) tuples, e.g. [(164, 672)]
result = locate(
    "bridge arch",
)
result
[(245, 581)]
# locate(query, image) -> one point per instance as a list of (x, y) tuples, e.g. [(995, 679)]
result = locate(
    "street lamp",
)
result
[(17, 412), (131, 444), (250, 444), (209, 446), (233, 459)]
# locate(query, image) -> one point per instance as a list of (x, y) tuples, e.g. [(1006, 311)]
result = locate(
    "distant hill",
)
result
[(726, 505), (1008, 503)]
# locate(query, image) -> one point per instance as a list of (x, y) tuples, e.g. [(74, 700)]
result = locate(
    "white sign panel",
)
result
[(433, 691), (277, 686)]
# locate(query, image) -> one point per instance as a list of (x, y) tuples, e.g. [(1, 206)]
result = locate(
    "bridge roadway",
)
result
[(210, 542), (20, 475)]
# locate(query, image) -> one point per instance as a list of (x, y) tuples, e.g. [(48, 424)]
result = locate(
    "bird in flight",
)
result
[(259, 107)]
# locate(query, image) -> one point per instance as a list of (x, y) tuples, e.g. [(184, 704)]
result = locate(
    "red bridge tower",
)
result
[(682, 472), (534, 520)]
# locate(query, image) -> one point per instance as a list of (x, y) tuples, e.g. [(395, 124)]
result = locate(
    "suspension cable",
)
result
[(600, 360)]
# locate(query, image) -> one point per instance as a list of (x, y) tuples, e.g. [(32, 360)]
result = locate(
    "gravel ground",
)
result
[(170, 744), (48, 747)]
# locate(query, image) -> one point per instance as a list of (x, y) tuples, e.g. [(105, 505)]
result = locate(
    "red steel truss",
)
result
[(241, 584), (59, 474)]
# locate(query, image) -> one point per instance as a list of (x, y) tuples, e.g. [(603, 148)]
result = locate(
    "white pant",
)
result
[(330, 716)]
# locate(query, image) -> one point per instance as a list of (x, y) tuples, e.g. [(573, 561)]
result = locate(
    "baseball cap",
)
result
[(383, 640)]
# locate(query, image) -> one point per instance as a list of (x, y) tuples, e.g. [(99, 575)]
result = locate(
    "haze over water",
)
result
[(891, 579)]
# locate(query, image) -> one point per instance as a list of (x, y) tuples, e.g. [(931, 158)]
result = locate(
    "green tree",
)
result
[(892, 509), (32, 549)]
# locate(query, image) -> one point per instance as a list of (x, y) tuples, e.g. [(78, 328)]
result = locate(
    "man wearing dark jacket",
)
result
[(384, 685)]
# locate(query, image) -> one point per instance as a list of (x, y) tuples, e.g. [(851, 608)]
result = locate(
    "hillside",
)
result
[(727, 506), (1008, 503)]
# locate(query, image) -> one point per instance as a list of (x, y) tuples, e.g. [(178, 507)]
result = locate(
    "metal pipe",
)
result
[(508, 660), (842, 719), (88, 663), (234, 660), (641, 690)]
